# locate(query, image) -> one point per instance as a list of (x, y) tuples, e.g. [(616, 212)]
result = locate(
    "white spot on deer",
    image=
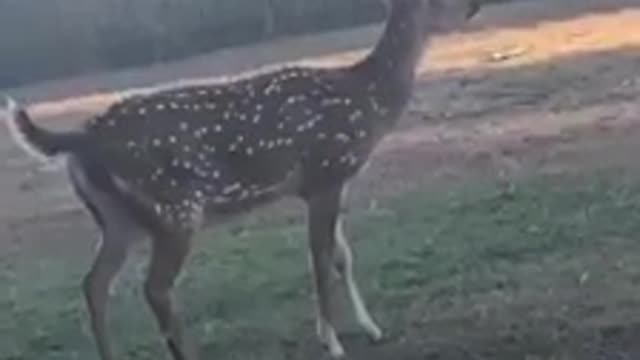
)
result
[(198, 134), (160, 107), (172, 139), (272, 88), (342, 137), (142, 111), (355, 115), (220, 200), (229, 189), (331, 101), (295, 99), (376, 106)]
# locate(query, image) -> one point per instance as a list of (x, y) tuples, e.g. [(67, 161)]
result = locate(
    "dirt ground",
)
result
[(542, 86)]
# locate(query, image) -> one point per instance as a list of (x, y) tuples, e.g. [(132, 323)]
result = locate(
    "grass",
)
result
[(545, 269)]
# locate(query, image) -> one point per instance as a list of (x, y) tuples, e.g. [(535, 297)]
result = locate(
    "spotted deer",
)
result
[(165, 164)]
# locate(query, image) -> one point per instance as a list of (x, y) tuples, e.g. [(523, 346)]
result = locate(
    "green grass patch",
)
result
[(476, 262)]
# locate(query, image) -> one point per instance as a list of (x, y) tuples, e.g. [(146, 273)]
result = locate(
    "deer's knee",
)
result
[(156, 293)]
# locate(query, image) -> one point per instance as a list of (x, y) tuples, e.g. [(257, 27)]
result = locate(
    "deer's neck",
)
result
[(391, 67)]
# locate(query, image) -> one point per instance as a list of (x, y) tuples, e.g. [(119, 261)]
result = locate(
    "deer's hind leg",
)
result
[(118, 232), (168, 256), (181, 216)]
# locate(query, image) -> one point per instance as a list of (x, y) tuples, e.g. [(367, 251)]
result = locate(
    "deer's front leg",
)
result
[(323, 211), (344, 265)]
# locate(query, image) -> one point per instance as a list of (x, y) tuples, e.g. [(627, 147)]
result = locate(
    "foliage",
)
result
[(55, 38)]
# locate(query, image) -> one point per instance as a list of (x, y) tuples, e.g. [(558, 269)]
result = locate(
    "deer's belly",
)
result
[(243, 196)]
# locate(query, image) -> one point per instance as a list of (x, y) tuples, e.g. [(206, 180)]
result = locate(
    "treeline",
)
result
[(43, 39)]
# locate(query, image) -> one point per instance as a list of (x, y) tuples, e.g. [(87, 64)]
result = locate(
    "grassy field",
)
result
[(467, 268), (543, 269)]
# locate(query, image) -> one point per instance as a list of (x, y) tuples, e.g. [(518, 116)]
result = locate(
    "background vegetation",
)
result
[(55, 38)]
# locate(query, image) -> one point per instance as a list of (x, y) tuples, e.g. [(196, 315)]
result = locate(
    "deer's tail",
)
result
[(37, 141)]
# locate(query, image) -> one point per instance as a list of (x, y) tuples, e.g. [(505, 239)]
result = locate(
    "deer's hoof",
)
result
[(336, 351), (329, 339), (375, 334)]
